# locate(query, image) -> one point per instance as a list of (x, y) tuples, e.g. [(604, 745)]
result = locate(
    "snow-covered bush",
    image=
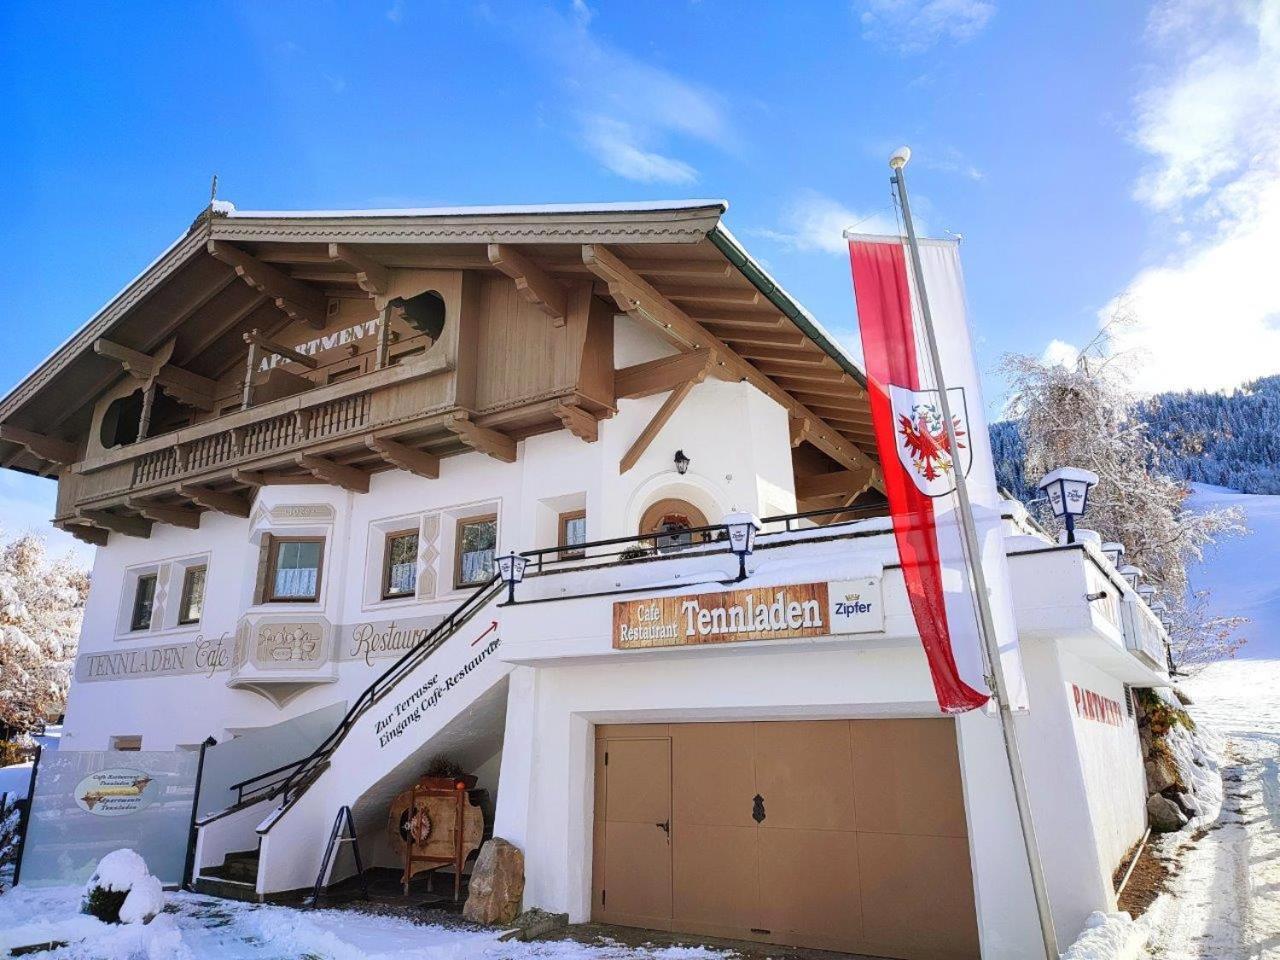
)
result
[(10, 823), (122, 891)]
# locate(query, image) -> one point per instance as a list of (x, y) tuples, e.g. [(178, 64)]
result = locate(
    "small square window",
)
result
[(573, 533), (293, 568), (129, 742), (192, 606), (477, 541), (144, 599), (400, 565)]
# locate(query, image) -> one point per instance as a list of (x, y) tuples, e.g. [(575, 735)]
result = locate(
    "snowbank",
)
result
[(1109, 936), (118, 870)]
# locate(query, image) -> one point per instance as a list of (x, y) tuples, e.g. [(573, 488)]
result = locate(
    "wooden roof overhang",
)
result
[(673, 266)]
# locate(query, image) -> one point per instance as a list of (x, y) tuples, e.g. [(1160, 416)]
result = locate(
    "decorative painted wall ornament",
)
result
[(759, 613), (116, 792), (289, 644)]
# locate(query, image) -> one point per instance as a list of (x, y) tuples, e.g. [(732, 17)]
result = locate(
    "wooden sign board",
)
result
[(758, 613)]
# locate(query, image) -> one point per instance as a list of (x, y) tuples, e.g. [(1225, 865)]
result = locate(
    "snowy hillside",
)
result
[(1243, 575)]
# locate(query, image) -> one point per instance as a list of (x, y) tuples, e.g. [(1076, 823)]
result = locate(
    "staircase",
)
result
[(379, 742)]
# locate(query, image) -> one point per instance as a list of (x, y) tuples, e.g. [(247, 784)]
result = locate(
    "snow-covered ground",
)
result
[(1223, 903), (1243, 575), (205, 928)]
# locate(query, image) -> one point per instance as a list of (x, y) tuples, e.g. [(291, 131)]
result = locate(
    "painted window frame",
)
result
[(273, 556), (152, 576), (390, 536), (574, 552), (459, 526), (184, 598)]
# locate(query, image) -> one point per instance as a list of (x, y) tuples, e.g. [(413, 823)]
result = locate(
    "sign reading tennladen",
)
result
[(760, 613)]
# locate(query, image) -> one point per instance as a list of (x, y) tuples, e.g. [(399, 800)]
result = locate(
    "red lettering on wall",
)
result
[(1094, 706)]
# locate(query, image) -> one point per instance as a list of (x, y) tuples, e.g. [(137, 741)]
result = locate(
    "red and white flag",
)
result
[(919, 466)]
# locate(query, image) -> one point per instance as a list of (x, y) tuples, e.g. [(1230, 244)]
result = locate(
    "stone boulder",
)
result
[(1161, 774), (1164, 815), (497, 884)]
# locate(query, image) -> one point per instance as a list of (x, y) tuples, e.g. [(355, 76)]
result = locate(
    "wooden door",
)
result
[(632, 875)]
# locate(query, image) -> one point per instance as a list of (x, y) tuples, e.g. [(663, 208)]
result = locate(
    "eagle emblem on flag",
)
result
[(921, 437)]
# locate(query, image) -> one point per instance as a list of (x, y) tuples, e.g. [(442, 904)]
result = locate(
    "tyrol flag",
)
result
[(919, 465)]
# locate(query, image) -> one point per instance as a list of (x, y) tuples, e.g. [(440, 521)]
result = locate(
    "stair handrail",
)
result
[(454, 620)]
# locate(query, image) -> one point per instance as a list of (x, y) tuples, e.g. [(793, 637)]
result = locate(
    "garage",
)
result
[(844, 835)]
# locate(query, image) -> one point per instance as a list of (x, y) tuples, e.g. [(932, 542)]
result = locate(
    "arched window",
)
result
[(669, 521), (120, 421), (424, 312)]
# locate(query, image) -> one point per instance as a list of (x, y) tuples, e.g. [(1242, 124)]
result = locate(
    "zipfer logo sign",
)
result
[(760, 613)]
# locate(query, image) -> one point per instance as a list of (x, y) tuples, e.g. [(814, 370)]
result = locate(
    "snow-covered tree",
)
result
[(41, 606), (1081, 415), (1196, 638)]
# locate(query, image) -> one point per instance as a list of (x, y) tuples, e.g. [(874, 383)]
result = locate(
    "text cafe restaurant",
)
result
[(645, 596)]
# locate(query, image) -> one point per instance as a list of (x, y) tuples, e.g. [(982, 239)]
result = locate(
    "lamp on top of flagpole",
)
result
[(986, 621)]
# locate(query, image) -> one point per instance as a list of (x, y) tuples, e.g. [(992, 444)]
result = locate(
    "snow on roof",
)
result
[(625, 206)]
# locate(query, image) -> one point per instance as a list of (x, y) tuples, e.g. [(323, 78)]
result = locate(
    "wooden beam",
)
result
[(579, 422), (808, 372), (45, 448), (742, 321), (228, 503), (417, 462), (495, 444), (801, 427), (330, 471), (790, 355), (296, 299), (651, 430), (129, 526), (174, 516), (676, 325), (837, 483), (699, 269), (84, 533), (288, 353), (183, 385), (733, 296), (532, 283), (371, 276), (757, 335), (658, 376)]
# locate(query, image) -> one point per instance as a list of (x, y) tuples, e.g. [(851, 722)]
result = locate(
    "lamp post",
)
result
[(1113, 551), (1068, 491), (511, 569), (742, 529)]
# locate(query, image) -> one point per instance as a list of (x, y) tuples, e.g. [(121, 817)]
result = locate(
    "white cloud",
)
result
[(615, 144), (630, 115), (914, 26), (1209, 317), (815, 222), (1060, 353)]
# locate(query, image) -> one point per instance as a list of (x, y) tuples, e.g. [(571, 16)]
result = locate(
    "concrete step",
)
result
[(241, 866), (227, 889)]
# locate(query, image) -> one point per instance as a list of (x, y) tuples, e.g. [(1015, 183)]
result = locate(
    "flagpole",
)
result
[(986, 623)]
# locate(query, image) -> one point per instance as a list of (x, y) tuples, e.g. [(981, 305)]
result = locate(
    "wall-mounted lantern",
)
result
[(511, 570), (1113, 551), (681, 462), (1132, 574)]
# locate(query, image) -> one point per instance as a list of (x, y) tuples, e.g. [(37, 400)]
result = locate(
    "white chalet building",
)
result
[(299, 441)]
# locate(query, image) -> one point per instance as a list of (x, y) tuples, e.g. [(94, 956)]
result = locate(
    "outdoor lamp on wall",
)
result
[(1147, 592), (1132, 574), (682, 463), (742, 529), (1068, 491), (511, 570), (1113, 551)]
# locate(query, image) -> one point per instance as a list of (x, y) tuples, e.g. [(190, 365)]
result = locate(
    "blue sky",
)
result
[(1087, 151)]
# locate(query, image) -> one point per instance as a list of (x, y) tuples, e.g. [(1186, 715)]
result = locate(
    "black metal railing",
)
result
[(309, 767)]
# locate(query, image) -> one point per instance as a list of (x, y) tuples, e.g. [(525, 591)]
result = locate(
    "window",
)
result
[(131, 742), (192, 605), (573, 533), (293, 568), (144, 599), (477, 541), (400, 565), (670, 522)]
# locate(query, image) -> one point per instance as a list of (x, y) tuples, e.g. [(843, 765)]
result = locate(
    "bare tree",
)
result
[(1080, 414)]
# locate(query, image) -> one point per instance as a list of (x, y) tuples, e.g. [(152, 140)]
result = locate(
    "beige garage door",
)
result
[(838, 834)]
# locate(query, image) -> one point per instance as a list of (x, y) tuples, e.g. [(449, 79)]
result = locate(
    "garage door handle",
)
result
[(757, 808), (666, 827)]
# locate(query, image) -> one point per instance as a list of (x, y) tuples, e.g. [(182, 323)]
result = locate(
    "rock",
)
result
[(1163, 814), (497, 884), (1145, 739), (535, 923), (1160, 774), (1187, 803)]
